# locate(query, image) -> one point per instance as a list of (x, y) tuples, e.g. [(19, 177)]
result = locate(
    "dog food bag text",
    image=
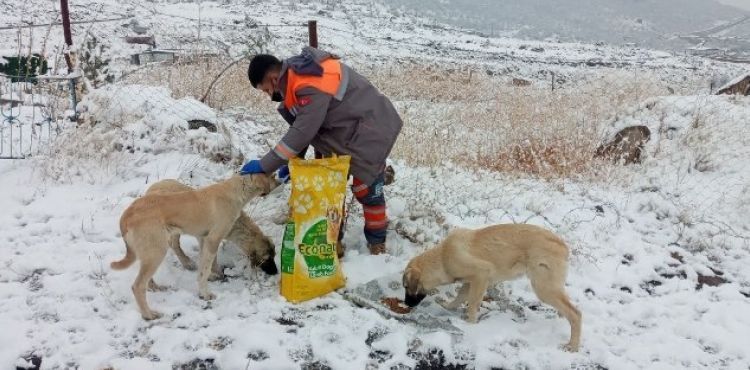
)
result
[(309, 265)]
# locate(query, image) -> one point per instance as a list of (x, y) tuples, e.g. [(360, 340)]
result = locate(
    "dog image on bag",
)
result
[(481, 258), (245, 234), (208, 213), (334, 225)]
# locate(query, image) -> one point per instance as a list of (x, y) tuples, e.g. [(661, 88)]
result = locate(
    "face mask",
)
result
[(276, 96)]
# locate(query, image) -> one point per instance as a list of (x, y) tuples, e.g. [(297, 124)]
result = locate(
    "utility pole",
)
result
[(65, 13), (66, 32), (312, 33), (312, 39)]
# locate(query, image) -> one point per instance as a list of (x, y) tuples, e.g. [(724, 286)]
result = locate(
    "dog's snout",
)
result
[(269, 267), (412, 300)]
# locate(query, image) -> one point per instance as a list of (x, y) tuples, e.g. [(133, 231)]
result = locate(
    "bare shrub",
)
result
[(701, 141)]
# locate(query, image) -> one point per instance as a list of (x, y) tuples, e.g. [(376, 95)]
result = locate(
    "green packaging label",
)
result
[(314, 248), (287, 249), (318, 253)]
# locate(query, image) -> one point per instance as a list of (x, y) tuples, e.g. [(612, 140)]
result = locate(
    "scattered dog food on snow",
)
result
[(395, 305)]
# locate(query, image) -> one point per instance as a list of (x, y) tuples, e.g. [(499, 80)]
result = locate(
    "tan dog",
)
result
[(245, 234), (207, 213), (481, 258)]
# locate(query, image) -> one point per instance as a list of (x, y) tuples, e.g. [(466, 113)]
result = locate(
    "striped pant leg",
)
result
[(373, 204)]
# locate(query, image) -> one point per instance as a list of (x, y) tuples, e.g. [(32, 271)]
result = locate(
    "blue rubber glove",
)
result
[(284, 174), (251, 168)]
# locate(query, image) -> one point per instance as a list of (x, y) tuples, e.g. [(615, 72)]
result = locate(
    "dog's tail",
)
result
[(126, 261)]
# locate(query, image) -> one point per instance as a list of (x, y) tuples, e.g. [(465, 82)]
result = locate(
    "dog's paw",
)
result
[(207, 296), (471, 319), (152, 315), (569, 347)]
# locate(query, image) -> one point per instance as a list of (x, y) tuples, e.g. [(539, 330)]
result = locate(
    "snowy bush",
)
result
[(132, 122)]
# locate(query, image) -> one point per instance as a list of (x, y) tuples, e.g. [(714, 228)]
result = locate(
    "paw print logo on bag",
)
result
[(302, 204), (301, 184), (318, 183), (334, 178)]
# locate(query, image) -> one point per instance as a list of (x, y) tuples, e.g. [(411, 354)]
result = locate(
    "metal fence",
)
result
[(32, 112)]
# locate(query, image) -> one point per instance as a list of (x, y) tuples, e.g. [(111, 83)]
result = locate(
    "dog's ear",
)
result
[(411, 280), (263, 250), (255, 258)]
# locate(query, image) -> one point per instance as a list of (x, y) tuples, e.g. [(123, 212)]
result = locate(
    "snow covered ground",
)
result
[(643, 251), (659, 250)]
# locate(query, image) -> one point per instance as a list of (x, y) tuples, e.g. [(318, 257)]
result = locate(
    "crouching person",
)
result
[(336, 110)]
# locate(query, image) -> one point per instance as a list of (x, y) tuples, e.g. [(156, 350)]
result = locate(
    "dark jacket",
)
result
[(359, 121)]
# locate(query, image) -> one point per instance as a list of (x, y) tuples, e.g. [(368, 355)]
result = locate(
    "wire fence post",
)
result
[(65, 14), (312, 33)]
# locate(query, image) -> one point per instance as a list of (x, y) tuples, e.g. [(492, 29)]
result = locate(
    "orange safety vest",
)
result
[(328, 83)]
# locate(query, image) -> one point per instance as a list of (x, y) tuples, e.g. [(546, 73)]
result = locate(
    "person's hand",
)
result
[(284, 174), (251, 168)]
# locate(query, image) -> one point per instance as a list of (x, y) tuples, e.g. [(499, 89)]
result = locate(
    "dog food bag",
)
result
[(309, 265)]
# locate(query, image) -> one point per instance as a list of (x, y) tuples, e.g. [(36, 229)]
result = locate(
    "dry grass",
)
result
[(192, 76), (82, 155), (466, 118), (486, 122)]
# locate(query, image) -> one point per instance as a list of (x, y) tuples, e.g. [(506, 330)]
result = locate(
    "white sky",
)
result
[(744, 4)]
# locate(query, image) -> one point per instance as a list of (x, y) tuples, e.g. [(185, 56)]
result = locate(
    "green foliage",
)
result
[(24, 68), (95, 63)]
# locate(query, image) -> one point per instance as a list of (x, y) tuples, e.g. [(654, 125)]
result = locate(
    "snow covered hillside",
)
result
[(659, 249), (366, 32), (649, 23)]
